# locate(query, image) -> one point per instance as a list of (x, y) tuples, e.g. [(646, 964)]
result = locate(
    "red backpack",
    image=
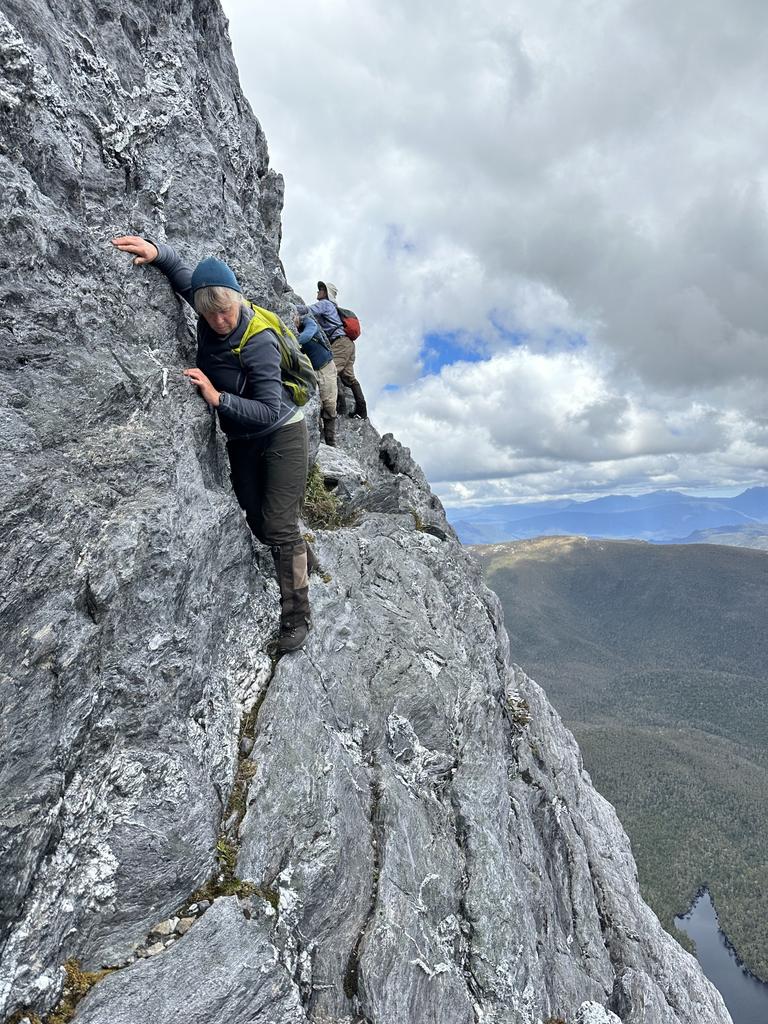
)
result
[(349, 322)]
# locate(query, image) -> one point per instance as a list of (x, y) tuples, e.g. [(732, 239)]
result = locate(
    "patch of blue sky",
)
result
[(442, 348), (391, 387)]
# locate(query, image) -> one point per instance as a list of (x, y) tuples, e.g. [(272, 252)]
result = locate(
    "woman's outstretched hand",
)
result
[(207, 390), (142, 250)]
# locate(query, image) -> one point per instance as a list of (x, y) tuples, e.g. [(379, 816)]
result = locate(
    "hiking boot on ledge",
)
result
[(291, 563), (361, 409), (329, 430), (292, 638)]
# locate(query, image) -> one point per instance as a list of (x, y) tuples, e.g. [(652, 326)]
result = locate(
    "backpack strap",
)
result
[(262, 320)]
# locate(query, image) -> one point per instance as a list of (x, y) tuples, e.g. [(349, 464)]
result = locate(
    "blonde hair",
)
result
[(215, 299)]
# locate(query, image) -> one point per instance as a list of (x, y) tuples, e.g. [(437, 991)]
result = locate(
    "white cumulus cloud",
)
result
[(569, 196)]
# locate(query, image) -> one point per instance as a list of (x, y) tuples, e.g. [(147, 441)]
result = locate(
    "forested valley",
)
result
[(656, 657)]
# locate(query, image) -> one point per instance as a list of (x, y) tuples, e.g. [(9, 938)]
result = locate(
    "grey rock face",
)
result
[(134, 615), (436, 850), (594, 1013), (415, 809), (225, 970)]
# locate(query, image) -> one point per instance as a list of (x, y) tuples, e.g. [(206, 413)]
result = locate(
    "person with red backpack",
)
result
[(341, 330)]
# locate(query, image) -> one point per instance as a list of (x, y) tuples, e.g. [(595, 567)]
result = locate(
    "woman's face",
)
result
[(224, 321)]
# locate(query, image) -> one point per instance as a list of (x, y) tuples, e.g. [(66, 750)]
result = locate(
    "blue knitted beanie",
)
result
[(213, 273)]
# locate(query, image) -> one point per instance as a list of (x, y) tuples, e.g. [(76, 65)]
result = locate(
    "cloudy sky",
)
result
[(552, 220)]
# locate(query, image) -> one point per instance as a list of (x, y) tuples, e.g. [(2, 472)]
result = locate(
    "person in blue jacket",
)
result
[(315, 344), (326, 312), (266, 433)]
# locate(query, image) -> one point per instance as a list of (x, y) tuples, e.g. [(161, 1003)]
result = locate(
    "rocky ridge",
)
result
[(391, 825)]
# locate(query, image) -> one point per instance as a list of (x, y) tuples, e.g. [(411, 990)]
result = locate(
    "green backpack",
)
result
[(296, 370)]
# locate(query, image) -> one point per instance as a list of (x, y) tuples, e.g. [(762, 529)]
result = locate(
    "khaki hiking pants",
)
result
[(328, 386), (344, 357)]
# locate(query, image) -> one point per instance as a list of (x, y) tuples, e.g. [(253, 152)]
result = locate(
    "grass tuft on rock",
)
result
[(234, 886), (322, 509), (77, 984), (226, 855)]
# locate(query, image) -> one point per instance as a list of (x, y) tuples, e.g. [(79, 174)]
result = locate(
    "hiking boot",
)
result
[(292, 638), (361, 409), (292, 575), (329, 430)]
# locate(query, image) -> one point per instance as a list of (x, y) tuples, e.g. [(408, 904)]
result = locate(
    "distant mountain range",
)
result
[(753, 535), (663, 517)]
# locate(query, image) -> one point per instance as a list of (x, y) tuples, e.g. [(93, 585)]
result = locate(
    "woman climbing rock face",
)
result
[(238, 374)]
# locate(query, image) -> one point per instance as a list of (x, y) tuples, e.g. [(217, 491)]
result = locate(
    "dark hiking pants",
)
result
[(269, 478)]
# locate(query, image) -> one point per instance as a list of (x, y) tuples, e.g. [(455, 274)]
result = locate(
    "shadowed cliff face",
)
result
[(416, 835)]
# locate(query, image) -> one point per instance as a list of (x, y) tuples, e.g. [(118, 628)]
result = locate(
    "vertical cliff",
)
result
[(391, 825)]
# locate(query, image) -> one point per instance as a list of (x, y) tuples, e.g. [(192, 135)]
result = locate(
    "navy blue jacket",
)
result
[(253, 401), (311, 342)]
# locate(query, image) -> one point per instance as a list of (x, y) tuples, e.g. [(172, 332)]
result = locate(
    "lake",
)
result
[(745, 996)]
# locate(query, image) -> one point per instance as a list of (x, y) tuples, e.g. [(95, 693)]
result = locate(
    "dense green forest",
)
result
[(657, 659)]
